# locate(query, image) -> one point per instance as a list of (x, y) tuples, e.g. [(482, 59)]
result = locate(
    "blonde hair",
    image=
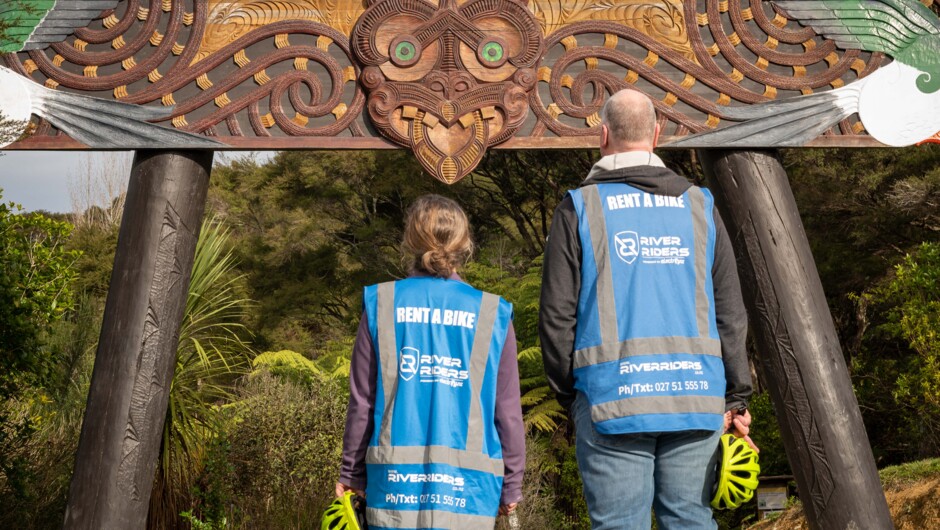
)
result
[(437, 236)]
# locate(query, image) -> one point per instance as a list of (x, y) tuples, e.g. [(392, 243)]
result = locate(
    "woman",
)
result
[(434, 431)]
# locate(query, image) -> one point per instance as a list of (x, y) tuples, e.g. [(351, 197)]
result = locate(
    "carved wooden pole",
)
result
[(801, 357), (121, 432)]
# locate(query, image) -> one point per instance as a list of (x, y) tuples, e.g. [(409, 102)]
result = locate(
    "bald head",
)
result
[(631, 122)]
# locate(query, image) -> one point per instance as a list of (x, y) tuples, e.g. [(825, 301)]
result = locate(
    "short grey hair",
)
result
[(630, 121)]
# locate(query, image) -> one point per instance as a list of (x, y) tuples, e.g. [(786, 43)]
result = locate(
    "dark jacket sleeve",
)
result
[(731, 318), (363, 372), (558, 310), (508, 418)]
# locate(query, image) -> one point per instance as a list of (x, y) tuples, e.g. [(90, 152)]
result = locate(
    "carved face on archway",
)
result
[(447, 80)]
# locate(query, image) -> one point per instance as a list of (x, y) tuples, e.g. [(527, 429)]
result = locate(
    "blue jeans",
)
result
[(625, 474)]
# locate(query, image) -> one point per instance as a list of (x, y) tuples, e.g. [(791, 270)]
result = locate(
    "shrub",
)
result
[(283, 443)]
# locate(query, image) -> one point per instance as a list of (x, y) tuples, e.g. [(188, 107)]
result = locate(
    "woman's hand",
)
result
[(506, 509), (341, 490)]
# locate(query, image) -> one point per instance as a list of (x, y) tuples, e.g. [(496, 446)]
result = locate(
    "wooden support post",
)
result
[(121, 431), (800, 353)]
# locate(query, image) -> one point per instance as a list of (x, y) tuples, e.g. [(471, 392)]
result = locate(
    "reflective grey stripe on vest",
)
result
[(437, 454), (427, 519), (657, 405), (479, 354), (700, 227), (606, 307), (645, 346), (388, 354), (609, 349)]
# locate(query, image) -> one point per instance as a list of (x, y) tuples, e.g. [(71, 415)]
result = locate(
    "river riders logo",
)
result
[(408, 363), (657, 250), (627, 244), (431, 368)]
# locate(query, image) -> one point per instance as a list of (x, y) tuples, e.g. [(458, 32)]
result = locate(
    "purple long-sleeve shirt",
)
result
[(363, 373)]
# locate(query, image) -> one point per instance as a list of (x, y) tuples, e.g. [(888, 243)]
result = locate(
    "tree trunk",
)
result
[(800, 354), (121, 431)]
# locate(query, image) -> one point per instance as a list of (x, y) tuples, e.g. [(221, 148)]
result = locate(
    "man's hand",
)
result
[(506, 509), (341, 490), (738, 421)]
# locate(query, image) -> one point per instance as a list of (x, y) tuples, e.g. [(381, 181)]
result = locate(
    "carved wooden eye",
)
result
[(492, 52), (404, 50)]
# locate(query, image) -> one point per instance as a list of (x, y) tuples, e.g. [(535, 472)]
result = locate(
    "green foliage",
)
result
[(539, 508), (35, 291), (287, 364), (11, 130), (310, 229), (765, 431), (313, 228), (307, 270), (569, 488), (335, 358), (908, 310), (284, 447), (541, 411), (198, 524), (510, 198), (97, 244), (43, 424), (893, 477), (863, 209)]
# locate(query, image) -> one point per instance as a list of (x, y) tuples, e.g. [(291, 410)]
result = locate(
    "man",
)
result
[(643, 330)]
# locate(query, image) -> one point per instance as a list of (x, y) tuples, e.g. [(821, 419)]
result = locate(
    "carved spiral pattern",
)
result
[(152, 51), (281, 68), (743, 51)]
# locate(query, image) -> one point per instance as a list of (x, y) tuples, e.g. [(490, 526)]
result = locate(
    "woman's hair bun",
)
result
[(437, 236)]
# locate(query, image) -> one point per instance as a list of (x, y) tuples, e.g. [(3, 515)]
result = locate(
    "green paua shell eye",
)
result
[(492, 52), (405, 51)]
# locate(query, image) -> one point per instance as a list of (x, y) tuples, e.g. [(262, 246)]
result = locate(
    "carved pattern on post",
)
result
[(135, 361), (797, 410), (148, 392), (798, 347)]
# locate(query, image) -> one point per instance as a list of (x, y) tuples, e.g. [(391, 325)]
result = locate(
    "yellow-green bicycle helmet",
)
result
[(345, 513), (737, 473)]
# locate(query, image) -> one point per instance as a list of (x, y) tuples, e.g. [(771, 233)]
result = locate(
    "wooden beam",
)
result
[(797, 342), (121, 431), (286, 143)]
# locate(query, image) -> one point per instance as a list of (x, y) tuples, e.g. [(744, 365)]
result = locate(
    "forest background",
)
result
[(253, 433)]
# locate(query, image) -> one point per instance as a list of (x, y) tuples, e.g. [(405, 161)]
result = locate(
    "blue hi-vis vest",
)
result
[(647, 354), (435, 459)]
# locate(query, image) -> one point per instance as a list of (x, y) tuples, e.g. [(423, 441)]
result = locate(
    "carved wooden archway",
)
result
[(450, 79)]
